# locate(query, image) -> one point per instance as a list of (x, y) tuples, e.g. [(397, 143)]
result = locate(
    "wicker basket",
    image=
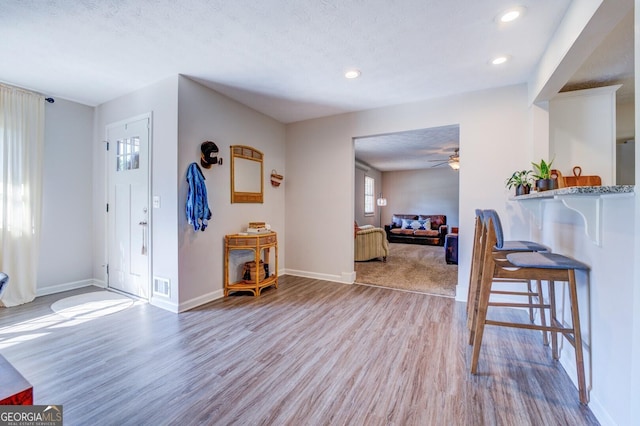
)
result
[(249, 272), (276, 179)]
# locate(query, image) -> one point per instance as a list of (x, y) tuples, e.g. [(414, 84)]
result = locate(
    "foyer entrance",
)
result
[(128, 226)]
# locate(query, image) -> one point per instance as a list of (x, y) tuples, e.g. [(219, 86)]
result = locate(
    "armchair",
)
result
[(371, 243)]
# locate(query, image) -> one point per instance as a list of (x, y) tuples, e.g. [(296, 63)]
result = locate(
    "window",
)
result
[(128, 154), (369, 197)]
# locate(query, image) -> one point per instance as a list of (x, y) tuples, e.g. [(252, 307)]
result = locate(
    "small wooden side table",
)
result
[(260, 244)]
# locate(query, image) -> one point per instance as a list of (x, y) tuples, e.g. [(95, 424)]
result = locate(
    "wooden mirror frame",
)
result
[(240, 192)]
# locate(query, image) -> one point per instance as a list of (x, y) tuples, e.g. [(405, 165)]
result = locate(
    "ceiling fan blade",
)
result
[(441, 163)]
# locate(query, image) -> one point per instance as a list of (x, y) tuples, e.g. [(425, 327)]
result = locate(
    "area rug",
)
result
[(411, 267), (91, 305)]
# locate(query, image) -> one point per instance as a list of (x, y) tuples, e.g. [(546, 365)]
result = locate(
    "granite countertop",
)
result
[(578, 190)]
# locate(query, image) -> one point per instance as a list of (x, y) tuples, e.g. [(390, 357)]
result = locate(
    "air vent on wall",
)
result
[(161, 287)]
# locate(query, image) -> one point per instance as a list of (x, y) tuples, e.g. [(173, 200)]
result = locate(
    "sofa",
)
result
[(428, 229), (370, 243)]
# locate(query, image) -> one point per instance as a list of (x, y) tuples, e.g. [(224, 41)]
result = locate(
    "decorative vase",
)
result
[(522, 189), (545, 184)]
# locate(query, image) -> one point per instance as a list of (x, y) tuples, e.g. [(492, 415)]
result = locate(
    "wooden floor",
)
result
[(309, 353)]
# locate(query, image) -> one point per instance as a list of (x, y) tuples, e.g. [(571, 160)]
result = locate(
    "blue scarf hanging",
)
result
[(198, 212)]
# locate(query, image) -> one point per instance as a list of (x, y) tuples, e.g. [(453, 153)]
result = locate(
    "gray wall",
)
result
[(161, 99), (498, 118), (207, 115), (428, 191), (66, 242)]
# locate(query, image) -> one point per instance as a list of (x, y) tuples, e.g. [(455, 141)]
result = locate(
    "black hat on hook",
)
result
[(209, 154)]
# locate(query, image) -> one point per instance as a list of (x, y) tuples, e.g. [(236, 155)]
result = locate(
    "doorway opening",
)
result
[(414, 175), (128, 215)]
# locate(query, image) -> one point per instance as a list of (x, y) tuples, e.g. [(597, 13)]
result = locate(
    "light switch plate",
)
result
[(156, 201)]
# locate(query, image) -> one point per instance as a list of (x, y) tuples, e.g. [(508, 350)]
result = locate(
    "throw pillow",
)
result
[(436, 220), (396, 221), (424, 224), (410, 224)]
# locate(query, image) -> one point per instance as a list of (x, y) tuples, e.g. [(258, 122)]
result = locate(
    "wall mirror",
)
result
[(247, 185)]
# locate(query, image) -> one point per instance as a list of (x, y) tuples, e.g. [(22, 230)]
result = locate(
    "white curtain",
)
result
[(21, 146)]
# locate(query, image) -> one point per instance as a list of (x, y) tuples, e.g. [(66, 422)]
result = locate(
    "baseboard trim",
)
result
[(345, 278), (201, 300), (164, 303), (600, 413), (461, 293), (59, 288), (568, 363)]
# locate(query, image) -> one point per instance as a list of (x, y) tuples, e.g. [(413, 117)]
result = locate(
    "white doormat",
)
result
[(91, 305)]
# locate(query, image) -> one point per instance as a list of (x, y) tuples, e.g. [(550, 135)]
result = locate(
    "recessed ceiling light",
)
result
[(511, 14), (352, 74), (499, 60)]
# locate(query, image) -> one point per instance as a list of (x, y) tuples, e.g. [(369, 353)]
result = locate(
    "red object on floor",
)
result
[(14, 389)]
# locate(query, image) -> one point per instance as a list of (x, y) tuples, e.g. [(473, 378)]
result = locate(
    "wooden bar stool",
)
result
[(476, 272), (545, 266)]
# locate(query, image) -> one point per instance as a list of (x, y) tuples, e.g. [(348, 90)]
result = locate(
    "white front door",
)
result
[(128, 206)]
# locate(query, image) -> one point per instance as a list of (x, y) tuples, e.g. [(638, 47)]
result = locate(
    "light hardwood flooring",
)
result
[(308, 353)]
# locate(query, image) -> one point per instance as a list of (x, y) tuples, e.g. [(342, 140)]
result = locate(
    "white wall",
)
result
[(66, 244), (428, 191), (494, 128), (161, 99), (605, 294), (207, 115), (582, 133), (634, 373)]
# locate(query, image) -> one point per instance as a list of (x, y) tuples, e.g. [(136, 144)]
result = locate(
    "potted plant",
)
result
[(542, 172), (520, 180)]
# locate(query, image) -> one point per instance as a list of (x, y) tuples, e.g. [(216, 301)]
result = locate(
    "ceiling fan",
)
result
[(453, 161)]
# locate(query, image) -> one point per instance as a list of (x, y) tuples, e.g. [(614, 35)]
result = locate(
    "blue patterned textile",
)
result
[(198, 212)]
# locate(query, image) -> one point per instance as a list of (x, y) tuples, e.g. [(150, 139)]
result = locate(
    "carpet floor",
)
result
[(411, 267)]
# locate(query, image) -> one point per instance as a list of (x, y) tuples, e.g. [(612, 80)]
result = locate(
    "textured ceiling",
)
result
[(612, 62), (285, 58), (411, 150)]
